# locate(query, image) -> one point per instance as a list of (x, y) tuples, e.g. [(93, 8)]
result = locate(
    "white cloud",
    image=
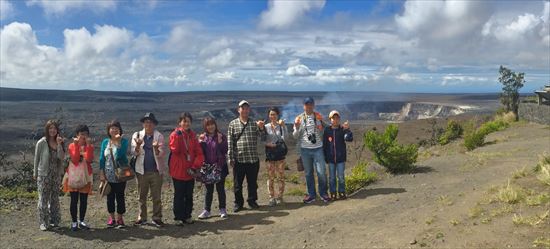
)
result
[(299, 70), (6, 9), (108, 40), (453, 79), (222, 59), (442, 19), (221, 76), (283, 14), (61, 7)]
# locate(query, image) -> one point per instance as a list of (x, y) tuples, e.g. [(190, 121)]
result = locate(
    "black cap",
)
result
[(309, 100), (149, 116)]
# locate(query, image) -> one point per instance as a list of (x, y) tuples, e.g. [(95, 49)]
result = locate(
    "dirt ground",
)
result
[(429, 208)]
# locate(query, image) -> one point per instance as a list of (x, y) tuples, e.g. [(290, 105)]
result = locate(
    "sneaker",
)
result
[(238, 208), (158, 223), (111, 222), (280, 200), (204, 215), (333, 196), (253, 205), (43, 227), (83, 225), (120, 223), (140, 222), (325, 198), (74, 226), (189, 221), (308, 199), (223, 213), (179, 223), (272, 202), (342, 196)]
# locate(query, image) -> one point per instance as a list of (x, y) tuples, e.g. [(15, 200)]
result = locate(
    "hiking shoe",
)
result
[(309, 199), (189, 221), (325, 198), (272, 202), (43, 227), (204, 215), (158, 223), (253, 205), (120, 223), (223, 213), (111, 222), (83, 225), (140, 222), (238, 208), (74, 226), (342, 196)]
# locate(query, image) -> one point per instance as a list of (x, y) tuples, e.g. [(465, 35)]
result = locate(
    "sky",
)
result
[(277, 45)]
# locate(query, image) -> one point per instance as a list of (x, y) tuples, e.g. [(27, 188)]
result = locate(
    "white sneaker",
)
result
[(43, 227), (83, 225), (223, 213), (204, 215)]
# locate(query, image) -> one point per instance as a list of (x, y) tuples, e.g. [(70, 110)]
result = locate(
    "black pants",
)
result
[(220, 188), (183, 199), (117, 193), (250, 171), (83, 205)]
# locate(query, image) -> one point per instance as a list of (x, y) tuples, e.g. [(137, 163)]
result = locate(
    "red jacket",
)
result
[(178, 163), (74, 152)]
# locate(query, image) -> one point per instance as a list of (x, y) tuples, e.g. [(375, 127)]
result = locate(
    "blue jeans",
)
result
[(311, 158), (337, 171)]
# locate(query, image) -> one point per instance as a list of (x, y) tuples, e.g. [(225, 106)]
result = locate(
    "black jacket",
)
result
[(334, 144)]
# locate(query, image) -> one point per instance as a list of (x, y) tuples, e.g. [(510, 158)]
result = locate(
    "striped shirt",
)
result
[(309, 125), (245, 150)]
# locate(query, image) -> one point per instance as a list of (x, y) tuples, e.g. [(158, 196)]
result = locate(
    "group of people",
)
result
[(189, 155)]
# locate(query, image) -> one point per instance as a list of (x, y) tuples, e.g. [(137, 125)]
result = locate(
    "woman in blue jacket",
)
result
[(114, 149), (334, 146)]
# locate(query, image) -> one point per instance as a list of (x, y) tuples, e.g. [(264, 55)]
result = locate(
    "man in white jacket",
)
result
[(148, 150)]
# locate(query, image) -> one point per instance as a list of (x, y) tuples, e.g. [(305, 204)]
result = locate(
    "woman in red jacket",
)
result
[(81, 152), (185, 158)]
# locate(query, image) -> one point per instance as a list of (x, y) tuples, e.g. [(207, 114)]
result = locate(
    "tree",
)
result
[(511, 83), (394, 157)]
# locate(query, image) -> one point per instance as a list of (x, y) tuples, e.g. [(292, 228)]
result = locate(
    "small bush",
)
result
[(544, 173), (509, 194), (493, 126), (228, 183), (22, 179), (16, 193), (394, 157), (474, 139), (359, 177), (293, 178), (453, 131)]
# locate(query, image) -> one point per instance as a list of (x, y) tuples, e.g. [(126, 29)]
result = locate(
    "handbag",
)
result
[(210, 174), (77, 175), (123, 173), (278, 152)]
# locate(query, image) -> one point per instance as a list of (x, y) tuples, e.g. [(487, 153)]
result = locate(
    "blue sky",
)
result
[(401, 46)]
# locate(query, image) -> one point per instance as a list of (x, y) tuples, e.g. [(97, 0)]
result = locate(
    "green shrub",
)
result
[(394, 157), (298, 191), (17, 193), (22, 178), (474, 139), (493, 126), (453, 131), (359, 177)]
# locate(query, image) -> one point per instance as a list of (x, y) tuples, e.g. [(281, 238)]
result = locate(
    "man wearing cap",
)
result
[(242, 155), (308, 130), (148, 148)]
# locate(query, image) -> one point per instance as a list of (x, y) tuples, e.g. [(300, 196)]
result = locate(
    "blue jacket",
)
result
[(334, 144), (120, 157)]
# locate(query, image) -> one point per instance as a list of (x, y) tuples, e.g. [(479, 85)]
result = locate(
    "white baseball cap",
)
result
[(332, 113), (243, 102)]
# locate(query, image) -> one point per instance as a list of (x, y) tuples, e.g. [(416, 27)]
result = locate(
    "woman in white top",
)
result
[(276, 150)]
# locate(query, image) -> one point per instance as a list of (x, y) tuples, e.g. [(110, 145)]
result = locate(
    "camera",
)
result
[(312, 138)]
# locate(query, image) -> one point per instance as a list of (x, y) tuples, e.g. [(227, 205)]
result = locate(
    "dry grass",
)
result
[(543, 169), (445, 200), (509, 194), (531, 221), (537, 200)]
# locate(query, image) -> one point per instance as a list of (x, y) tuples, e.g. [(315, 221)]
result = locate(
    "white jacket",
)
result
[(159, 159)]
